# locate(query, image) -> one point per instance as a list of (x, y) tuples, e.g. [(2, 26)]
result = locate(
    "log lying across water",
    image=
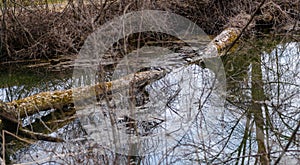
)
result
[(16, 110), (21, 108)]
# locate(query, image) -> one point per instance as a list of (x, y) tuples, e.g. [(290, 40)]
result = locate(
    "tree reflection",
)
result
[(259, 123), (270, 103), (17, 83)]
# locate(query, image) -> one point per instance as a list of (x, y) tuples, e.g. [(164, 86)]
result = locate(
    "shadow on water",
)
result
[(257, 122)]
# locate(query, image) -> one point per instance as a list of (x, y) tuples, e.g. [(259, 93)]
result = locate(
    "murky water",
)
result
[(18, 82), (193, 124)]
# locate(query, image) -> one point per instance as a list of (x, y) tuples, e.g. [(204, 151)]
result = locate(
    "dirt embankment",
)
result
[(40, 31)]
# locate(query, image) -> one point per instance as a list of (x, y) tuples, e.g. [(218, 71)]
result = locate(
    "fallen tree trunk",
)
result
[(16, 110)]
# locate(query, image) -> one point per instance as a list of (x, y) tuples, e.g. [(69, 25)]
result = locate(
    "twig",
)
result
[(289, 143), (40, 136), (245, 27)]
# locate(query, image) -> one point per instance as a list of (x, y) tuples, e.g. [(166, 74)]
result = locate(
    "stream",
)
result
[(193, 115)]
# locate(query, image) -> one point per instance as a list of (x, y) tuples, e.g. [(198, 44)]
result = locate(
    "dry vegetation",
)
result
[(47, 29)]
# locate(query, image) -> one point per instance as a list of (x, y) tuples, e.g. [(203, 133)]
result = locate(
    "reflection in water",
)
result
[(22, 82), (281, 70), (157, 126), (265, 104), (219, 135)]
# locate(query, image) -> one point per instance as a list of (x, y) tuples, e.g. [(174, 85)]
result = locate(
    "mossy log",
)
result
[(16, 110), (21, 108)]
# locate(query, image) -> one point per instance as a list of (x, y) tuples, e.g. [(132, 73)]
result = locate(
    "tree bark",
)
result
[(28, 106), (16, 110)]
